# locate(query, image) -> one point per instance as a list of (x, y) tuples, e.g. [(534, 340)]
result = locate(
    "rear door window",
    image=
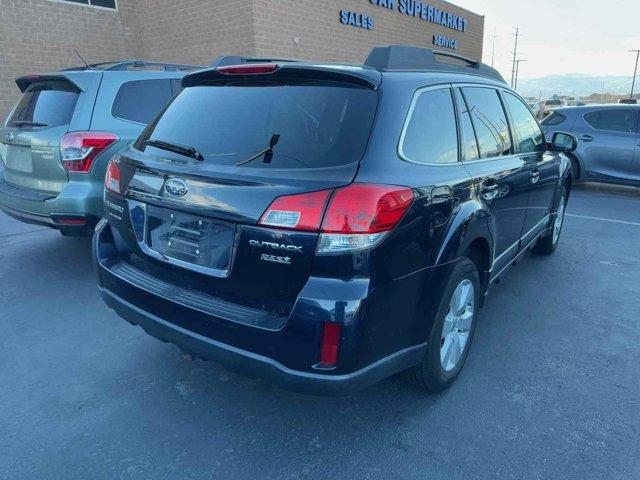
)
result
[(489, 121), (431, 135), (528, 136), (141, 100), (623, 120), (268, 125), (50, 103)]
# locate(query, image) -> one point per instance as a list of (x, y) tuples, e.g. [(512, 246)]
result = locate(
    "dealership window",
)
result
[(112, 4), (141, 100), (622, 120), (489, 121), (431, 134)]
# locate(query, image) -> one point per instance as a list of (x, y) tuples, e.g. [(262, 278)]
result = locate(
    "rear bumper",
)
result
[(77, 208), (284, 355), (254, 365)]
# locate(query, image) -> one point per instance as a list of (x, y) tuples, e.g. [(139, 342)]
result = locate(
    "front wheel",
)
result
[(547, 245), (453, 327)]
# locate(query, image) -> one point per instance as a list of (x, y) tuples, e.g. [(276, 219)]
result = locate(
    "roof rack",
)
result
[(402, 57), (226, 60), (123, 65)]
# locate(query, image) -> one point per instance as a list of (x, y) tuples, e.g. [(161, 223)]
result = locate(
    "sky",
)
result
[(561, 37)]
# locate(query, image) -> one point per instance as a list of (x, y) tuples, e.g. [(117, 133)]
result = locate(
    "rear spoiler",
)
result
[(364, 77), (80, 82)]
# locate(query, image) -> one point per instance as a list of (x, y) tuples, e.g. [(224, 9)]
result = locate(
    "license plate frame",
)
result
[(18, 158), (190, 241)]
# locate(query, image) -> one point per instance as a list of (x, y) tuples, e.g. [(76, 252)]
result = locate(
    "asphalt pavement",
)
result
[(551, 389)]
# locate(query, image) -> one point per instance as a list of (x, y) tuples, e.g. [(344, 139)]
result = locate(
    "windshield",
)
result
[(47, 103), (267, 125)]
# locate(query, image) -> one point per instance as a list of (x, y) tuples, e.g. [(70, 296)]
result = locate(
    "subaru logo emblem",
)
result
[(176, 187), (9, 137)]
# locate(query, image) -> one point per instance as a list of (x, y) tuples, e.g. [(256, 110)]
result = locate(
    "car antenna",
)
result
[(89, 67)]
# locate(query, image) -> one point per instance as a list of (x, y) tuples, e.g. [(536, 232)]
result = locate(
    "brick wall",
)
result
[(38, 36), (195, 31)]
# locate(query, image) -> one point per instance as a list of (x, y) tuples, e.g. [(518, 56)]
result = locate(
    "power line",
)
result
[(515, 54), (515, 84), (635, 71), (493, 51)]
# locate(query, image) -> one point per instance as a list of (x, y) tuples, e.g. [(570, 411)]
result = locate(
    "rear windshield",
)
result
[(553, 103), (268, 125), (50, 103)]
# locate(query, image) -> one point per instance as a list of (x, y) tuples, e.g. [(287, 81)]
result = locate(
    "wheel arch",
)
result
[(469, 235)]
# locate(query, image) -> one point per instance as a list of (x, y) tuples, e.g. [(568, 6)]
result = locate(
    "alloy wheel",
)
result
[(457, 325)]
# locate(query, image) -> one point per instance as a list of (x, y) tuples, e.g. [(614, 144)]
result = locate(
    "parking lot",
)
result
[(551, 388)]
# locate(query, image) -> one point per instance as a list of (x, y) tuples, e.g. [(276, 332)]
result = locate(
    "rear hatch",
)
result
[(31, 135), (195, 221)]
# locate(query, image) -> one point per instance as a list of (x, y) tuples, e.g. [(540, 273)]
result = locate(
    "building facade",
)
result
[(39, 36)]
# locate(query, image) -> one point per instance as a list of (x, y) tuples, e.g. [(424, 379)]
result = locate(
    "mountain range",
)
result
[(575, 85)]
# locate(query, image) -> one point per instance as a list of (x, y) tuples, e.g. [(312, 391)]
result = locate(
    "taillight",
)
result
[(112, 177), (297, 212), (251, 69), (357, 217), (79, 149), (330, 346)]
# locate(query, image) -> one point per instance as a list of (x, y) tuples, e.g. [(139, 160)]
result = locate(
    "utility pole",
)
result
[(635, 71), (493, 50), (515, 84), (515, 54)]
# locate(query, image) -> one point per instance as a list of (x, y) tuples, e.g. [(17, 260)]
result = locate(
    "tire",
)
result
[(575, 170), (434, 373), (547, 245)]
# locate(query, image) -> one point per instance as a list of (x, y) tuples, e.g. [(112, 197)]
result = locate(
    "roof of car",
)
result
[(596, 107), (384, 60)]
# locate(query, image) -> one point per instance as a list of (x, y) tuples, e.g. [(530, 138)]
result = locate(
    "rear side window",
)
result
[(141, 100), (430, 135), (623, 121), (556, 118), (527, 133), (489, 121), (468, 137), (268, 125), (50, 103)]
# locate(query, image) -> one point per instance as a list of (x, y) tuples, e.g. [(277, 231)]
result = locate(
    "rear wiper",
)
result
[(267, 152), (28, 123), (174, 147)]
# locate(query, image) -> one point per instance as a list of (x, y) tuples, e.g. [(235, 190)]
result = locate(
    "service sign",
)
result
[(422, 11)]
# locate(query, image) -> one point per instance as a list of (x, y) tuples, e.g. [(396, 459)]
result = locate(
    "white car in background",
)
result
[(549, 106)]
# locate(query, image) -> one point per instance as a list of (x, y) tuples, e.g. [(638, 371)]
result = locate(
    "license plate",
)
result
[(191, 241), (19, 159)]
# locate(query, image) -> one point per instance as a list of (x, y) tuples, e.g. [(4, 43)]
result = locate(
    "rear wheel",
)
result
[(547, 245), (575, 169), (452, 331)]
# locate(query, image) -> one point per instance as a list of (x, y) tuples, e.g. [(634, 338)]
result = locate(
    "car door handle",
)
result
[(489, 191), (586, 138), (535, 176)]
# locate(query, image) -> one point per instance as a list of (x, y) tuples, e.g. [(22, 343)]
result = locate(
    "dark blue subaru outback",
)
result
[(327, 226)]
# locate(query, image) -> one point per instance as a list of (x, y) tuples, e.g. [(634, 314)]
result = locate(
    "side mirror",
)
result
[(563, 142)]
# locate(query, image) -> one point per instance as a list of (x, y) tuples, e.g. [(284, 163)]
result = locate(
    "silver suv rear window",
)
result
[(49, 103)]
